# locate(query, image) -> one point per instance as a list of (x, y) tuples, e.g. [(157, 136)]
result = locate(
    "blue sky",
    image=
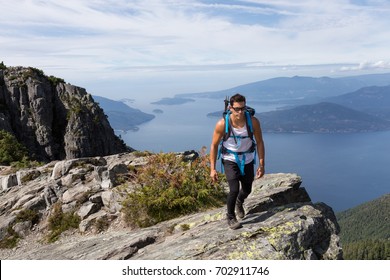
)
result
[(160, 48)]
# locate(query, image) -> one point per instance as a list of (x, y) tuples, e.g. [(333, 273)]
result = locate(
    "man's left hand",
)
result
[(260, 172)]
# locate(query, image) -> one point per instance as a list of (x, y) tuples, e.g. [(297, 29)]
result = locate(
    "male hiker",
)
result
[(241, 137)]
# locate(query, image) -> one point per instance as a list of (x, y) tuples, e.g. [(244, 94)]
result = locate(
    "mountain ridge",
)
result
[(324, 117), (121, 116), (297, 89), (374, 100)]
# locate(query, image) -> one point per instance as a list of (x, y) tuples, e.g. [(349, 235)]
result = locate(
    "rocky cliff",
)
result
[(54, 120), (281, 220)]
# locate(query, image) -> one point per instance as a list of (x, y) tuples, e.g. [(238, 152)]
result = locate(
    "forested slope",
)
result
[(365, 230)]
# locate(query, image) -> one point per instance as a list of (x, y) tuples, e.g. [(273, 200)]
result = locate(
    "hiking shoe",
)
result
[(233, 223), (240, 209)]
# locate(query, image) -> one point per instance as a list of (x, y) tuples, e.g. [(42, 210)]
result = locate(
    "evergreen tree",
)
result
[(11, 150)]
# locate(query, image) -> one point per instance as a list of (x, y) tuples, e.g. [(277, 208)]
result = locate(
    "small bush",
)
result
[(185, 227), (11, 151), (30, 176), (142, 153), (55, 81), (39, 72), (102, 224), (60, 222), (170, 187), (75, 108), (14, 153), (10, 240), (28, 215)]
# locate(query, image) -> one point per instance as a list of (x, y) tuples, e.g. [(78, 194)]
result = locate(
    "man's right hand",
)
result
[(214, 175)]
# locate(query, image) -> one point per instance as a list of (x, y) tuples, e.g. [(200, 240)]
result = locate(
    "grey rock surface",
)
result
[(281, 220)]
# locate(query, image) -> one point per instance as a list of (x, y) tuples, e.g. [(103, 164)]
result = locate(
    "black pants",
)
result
[(234, 179)]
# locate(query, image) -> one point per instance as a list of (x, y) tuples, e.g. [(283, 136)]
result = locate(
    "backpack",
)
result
[(249, 112)]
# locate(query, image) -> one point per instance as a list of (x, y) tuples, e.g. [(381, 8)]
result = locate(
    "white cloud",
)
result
[(366, 65), (82, 40)]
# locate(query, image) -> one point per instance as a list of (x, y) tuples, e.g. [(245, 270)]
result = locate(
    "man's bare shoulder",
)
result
[(256, 123), (255, 120), (220, 125)]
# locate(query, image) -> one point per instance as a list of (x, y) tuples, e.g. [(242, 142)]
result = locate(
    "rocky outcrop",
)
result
[(281, 220), (54, 120)]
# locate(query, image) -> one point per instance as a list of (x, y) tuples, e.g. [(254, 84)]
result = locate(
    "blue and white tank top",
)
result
[(242, 145)]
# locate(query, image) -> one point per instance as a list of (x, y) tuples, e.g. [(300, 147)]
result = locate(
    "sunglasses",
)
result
[(239, 109)]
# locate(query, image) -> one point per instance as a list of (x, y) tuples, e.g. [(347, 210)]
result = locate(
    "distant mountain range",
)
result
[(173, 101), (324, 117), (297, 90), (321, 105), (122, 116), (321, 118), (361, 110), (373, 100)]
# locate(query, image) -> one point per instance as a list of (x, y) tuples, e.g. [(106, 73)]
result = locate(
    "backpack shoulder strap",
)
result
[(227, 125), (249, 125), (228, 130)]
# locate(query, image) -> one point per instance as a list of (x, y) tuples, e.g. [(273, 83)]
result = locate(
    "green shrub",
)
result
[(39, 72), (170, 187), (75, 108), (27, 215), (55, 81), (142, 153), (14, 153), (10, 240), (30, 176), (11, 151), (102, 224), (27, 163), (185, 227), (60, 222)]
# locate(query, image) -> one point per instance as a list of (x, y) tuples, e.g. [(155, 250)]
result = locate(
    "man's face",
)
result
[(238, 109)]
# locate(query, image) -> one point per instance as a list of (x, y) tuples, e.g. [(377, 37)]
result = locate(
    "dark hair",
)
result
[(237, 98)]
